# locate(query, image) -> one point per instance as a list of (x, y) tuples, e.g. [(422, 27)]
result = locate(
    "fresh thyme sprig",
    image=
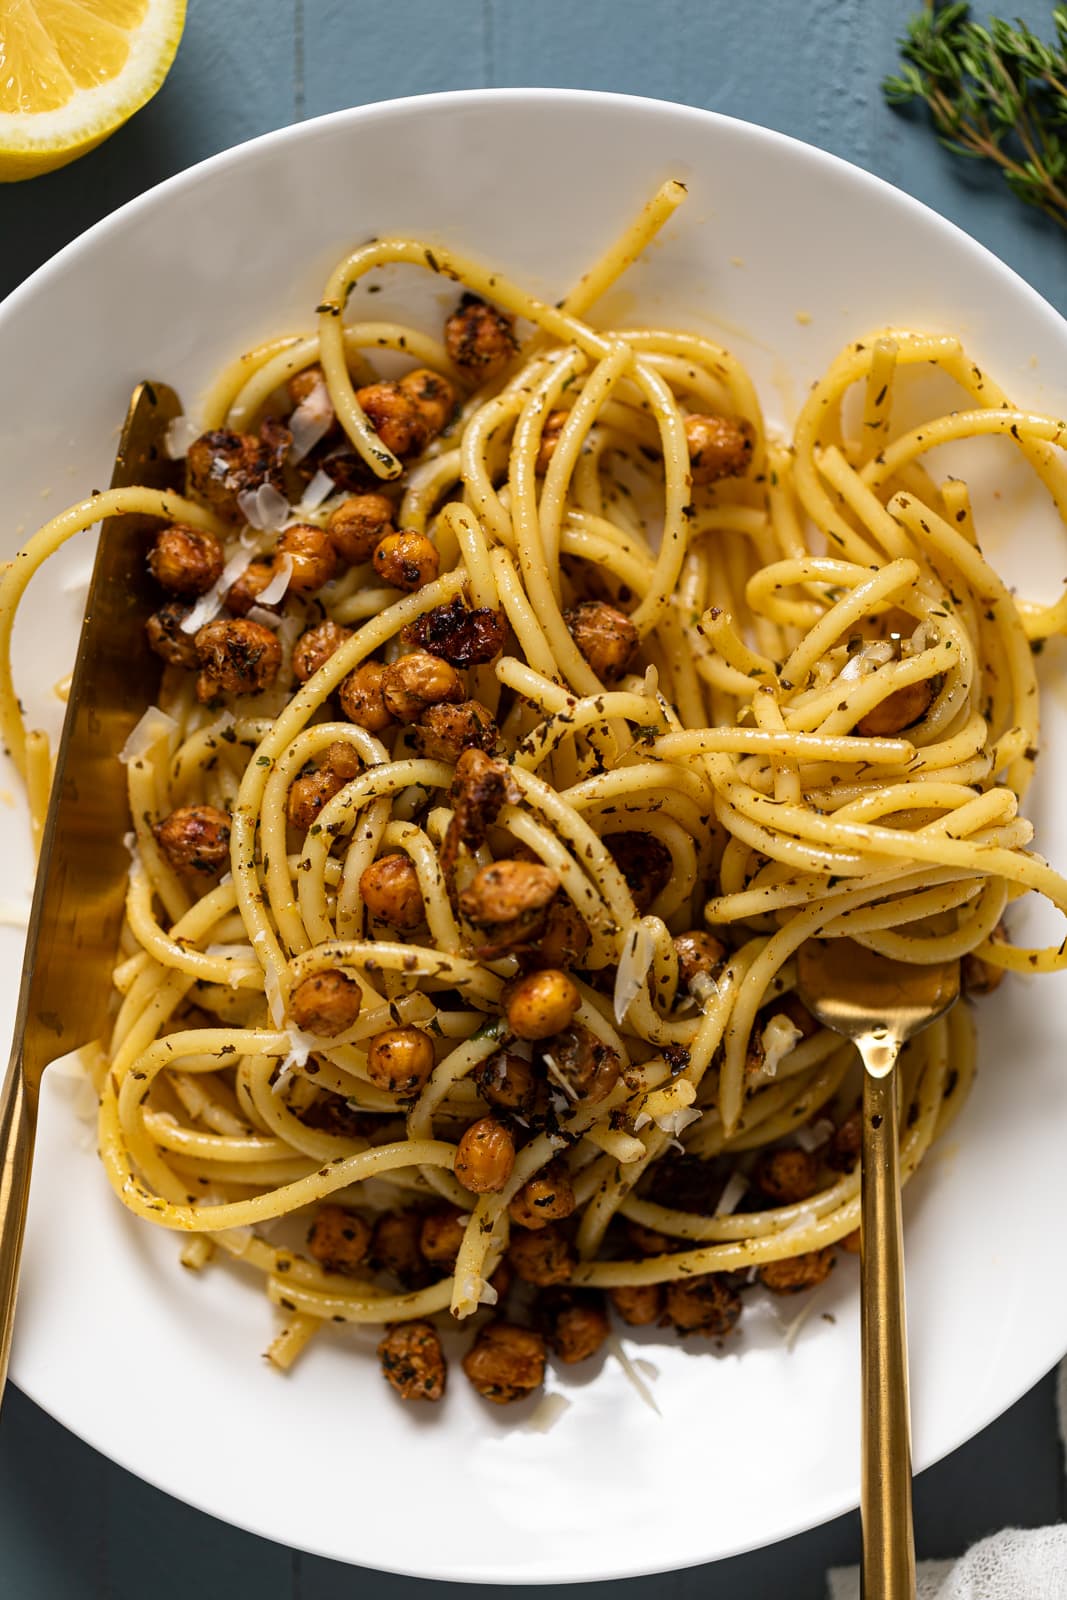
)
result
[(997, 93)]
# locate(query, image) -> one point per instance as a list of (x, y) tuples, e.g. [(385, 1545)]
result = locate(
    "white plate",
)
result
[(162, 1370)]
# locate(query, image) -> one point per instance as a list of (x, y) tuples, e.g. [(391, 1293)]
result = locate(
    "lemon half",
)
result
[(72, 71)]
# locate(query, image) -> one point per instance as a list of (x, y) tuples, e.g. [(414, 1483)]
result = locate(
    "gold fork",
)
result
[(880, 1004), (79, 895)]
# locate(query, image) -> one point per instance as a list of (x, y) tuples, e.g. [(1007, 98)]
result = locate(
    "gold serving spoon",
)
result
[(880, 1004)]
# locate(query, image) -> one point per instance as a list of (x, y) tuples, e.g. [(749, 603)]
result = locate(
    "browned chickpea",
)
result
[(509, 892), (302, 385), (236, 657), (546, 1197), (798, 1272), (395, 1247), (358, 524), (362, 700), (467, 636), (542, 1004), (590, 1067), (185, 560), (544, 1257), (441, 1236), (845, 1145), (978, 977), (390, 891), (195, 837), (308, 795), (312, 554), (565, 936), (644, 861), (327, 1002), (549, 439), (480, 339), (897, 711), (395, 418), (506, 1362), (339, 1239), (640, 1304), (485, 1156), (221, 464), (166, 637), (706, 1304), (443, 732), (433, 395), (407, 560), (481, 787), (697, 952), (506, 1081), (786, 1176), (718, 448), (245, 591), (605, 636), (400, 1060), (343, 760), (315, 646), (413, 1361), (502, 1281), (417, 681), (648, 1241), (578, 1328)]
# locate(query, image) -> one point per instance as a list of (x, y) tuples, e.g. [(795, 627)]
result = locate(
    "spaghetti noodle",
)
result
[(546, 705)]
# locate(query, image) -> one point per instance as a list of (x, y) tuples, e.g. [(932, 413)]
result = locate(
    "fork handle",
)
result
[(888, 1539), (18, 1126)]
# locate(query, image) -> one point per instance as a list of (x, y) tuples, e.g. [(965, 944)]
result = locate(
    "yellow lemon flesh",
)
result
[(72, 71)]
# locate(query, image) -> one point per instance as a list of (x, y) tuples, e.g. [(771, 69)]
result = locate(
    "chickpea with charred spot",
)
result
[(485, 1156), (221, 465), (640, 1305), (564, 939), (798, 1272), (698, 952), (577, 1326), (441, 1235), (542, 1004), (554, 425), (312, 555), (718, 448), (444, 732), (187, 561), (704, 1304), (395, 417), (326, 1003), (195, 838), (168, 639), (245, 591), (359, 524), (506, 1362), (480, 338), (361, 698), (391, 893), (506, 1081), (464, 635), (588, 1067), (413, 1362), (407, 560), (899, 710), (394, 1247), (644, 861), (605, 636), (416, 682), (546, 1197), (434, 397), (543, 1256), (509, 892), (236, 657), (304, 384), (338, 1239), (786, 1176), (400, 1060), (315, 646), (310, 793)]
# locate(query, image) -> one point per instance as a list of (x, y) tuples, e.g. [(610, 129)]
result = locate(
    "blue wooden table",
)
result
[(72, 1526)]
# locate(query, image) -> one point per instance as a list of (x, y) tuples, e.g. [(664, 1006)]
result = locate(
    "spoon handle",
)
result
[(18, 1120), (888, 1539)]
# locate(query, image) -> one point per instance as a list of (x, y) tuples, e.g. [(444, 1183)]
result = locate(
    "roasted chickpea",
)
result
[(312, 554), (236, 657), (326, 1003), (168, 639), (245, 591), (481, 787), (564, 939), (400, 1060), (897, 711), (302, 385), (546, 1197), (706, 1304), (542, 1257), (407, 560), (185, 560), (649, 1241), (444, 732), (308, 795), (480, 339), (507, 892), (640, 1304), (644, 861), (195, 837), (697, 952), (851, 1243), (315, 646), (506, 1362), (798, 1272), (549, 439), (391, 893), (506, 1081), (605, 636), (362, 700), (418, 681), (220, 465), (718, 449), (786, 1176), (395, 418), (358, 524), (466, 636), (339, 1239), (413, 1361), (542, 1004), (588, 1066), (441, 1235), (434, 397), (845, 1145), (395, 1247), (578, 1328), (485, 1156)]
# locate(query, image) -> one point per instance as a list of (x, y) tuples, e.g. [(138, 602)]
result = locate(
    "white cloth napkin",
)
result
[(1018, 1564)]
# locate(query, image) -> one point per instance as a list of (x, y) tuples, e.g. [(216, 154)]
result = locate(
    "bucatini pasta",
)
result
[(523, 713)]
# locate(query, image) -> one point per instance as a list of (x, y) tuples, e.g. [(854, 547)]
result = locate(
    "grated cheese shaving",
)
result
[(264, 508), (209, 604), (778, 1039), (810, 1139), (180, 434), (732, 1195), (310, 422), (279, 583), (153, 726), (615, 1345), (319, 489), (547, 1413), (638, 952)]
